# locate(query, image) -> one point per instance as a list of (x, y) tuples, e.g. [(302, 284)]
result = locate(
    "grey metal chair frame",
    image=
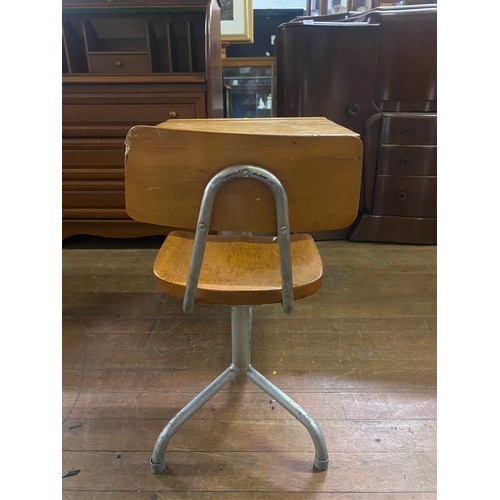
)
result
[(241, 317)]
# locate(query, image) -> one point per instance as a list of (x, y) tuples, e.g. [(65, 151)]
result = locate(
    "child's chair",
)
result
[(234, 178)]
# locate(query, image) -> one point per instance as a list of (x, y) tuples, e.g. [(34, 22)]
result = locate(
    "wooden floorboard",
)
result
[(360, 356)]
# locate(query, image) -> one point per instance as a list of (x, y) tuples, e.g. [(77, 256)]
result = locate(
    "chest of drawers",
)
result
[(401, 169)]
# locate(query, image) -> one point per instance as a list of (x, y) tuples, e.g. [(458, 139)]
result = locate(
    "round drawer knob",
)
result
[(119, 64), (408, 131), (402, 196), (353, 109), (405, 161), (172, 114)]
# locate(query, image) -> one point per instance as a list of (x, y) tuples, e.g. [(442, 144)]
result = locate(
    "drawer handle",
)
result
[(402, 196), (408, 131), (172, 114), (119, 64), (353, 109), (405, 161)]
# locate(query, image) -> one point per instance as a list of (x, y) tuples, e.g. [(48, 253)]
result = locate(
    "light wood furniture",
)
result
[(312, 156), (124, 63), (237, 269), (241, 176)]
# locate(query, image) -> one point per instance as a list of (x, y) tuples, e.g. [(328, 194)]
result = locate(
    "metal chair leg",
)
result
[(321, 457), (241, 332), (158, 463)]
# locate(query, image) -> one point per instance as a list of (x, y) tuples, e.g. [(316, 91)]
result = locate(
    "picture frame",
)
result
[(237, 21)]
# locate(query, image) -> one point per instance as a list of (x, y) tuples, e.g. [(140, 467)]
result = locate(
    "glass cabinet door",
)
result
[(251, 85)]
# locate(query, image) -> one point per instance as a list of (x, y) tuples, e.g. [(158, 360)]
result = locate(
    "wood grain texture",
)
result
[(318, 162), (359, 355), (241, 495), (238, 270), (278, 472)]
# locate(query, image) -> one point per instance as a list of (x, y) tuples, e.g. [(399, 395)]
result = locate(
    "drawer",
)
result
[(83, 153), (408, 128), (93, 159), (75, 160), (112, 115), (119, 64), (405, 196), (84, 195), (407, 160)]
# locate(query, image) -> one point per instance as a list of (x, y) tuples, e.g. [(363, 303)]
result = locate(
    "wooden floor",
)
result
[(360, 356)]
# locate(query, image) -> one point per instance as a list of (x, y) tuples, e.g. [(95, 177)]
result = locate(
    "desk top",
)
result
[(317, 161), (303, 126)]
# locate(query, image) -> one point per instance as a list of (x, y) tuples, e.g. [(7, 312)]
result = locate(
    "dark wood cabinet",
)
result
[(400, 179), (375, 73), (128, 63)]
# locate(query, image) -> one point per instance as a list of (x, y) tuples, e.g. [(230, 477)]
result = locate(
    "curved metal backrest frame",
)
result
[(203, 225)]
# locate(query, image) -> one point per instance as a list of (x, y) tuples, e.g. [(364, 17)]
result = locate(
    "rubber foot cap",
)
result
[(321, 464), (158, 468)]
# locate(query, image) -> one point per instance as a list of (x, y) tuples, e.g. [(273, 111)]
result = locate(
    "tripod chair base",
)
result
[(241, 332)]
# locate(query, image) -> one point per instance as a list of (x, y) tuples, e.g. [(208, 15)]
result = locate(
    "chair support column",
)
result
[(241, 332), (241, 338)]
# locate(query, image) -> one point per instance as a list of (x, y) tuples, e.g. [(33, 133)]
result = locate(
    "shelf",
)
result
[(139, 43), (251, 82)]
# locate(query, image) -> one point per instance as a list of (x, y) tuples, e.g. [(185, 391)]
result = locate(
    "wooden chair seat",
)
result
[(238, 270)]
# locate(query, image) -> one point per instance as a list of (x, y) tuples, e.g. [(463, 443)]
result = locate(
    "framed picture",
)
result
[(237, 21)]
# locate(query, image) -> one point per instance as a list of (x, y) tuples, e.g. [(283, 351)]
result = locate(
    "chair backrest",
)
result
[(318, 162)]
